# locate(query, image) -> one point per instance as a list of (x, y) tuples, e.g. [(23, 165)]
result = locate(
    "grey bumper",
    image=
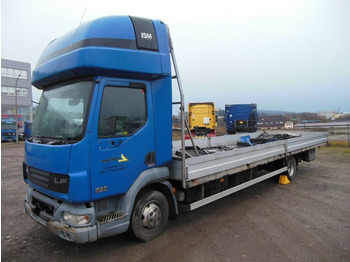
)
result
[(67, 232)]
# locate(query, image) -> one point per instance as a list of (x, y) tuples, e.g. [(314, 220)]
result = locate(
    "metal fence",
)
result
[(339, 131)]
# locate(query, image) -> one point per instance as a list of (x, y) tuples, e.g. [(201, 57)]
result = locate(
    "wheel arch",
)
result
[(167, 190), (156, 179)]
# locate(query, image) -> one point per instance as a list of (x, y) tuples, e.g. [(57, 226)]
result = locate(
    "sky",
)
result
[(283, 55)]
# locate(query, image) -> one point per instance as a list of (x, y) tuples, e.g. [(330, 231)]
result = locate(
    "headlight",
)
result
[(76, 219)]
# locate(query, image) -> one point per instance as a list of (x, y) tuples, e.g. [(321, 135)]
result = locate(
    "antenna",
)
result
[(83, 16)]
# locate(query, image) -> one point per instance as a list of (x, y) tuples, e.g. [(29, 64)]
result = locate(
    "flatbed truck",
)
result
[(101, 160)]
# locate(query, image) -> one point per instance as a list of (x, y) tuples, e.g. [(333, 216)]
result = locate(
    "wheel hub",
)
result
[(151, 215)]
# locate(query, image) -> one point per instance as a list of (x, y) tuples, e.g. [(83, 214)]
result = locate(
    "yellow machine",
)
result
[(202, 119)]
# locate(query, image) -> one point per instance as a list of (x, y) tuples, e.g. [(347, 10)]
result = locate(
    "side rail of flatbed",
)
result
[(229, 159)]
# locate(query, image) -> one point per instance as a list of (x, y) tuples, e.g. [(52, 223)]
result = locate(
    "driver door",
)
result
[(123, 141)]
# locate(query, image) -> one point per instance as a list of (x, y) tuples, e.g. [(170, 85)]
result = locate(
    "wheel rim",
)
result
[(151, 215)]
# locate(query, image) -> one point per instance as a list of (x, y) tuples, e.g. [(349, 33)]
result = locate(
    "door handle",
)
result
[(150, 158)]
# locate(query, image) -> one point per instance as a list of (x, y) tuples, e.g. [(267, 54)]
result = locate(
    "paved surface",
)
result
[(308, 220)]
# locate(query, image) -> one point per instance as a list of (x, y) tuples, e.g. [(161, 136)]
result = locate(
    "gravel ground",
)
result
[(307, 220)]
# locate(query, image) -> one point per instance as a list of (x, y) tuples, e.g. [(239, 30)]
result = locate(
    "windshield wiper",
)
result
[(34, 139), (54, 140), (57, 140), (48, 140)]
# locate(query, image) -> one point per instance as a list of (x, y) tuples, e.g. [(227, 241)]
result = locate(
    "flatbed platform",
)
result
[(222, 156)]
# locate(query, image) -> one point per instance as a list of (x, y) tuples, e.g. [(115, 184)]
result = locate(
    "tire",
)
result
[(291, 168), (150, 215)]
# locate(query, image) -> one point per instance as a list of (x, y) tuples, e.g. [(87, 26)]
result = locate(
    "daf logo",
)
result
[(146, 36), (60, 181)]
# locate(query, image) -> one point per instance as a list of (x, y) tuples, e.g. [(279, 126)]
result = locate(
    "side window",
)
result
[(123, 111)]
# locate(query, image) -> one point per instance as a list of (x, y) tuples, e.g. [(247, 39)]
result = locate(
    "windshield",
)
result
[(8, 125), (62, 112)]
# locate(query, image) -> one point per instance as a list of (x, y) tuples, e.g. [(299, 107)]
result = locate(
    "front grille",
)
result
[(51, 181), (39, 177)]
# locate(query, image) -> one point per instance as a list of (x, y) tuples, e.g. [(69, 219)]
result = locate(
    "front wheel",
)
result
[(149, 216), (291, 168)]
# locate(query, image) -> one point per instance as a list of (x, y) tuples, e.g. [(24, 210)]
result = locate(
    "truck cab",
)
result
[(202, 119), (241, 118), (8, 130), (103, 127)]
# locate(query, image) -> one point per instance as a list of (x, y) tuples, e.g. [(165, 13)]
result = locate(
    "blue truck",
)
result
[(101, 161), (8, 130), (241, 118)]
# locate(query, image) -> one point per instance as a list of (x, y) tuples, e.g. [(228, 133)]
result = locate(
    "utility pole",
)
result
[(16, 108)]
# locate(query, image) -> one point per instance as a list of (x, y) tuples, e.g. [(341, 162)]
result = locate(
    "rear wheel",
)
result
[(150, 215), (291, 168)]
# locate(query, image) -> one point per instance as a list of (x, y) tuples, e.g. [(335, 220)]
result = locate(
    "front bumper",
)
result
[(53, 222)]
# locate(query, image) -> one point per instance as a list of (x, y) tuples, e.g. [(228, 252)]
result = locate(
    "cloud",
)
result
[(282, 55)]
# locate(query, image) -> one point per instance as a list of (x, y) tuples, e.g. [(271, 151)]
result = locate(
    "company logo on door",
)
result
[(122, 158), (146, 36)]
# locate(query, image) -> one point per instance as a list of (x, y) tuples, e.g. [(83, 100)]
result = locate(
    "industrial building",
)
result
[(16, 91), (274, 122)]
